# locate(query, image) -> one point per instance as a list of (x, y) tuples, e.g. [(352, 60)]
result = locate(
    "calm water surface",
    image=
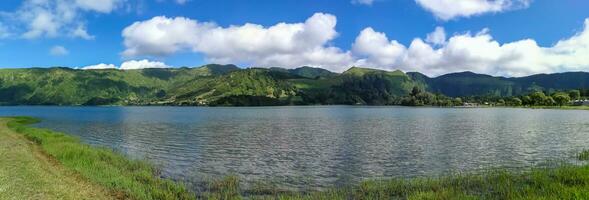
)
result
[(318, 147)]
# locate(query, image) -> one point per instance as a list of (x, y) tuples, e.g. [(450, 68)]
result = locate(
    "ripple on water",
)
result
[(315, 147)]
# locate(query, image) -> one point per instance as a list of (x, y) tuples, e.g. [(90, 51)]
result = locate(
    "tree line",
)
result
[(536, 98)]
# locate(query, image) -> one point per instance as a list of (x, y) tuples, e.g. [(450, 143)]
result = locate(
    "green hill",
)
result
[(229, 85), (472, 84)]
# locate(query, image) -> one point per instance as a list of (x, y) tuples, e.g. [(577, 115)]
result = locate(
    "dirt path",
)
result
[(27, 173)]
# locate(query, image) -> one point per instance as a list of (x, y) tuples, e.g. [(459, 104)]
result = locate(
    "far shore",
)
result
[(567, 107)]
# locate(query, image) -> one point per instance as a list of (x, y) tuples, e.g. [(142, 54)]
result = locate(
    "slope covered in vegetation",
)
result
[(230, 85)]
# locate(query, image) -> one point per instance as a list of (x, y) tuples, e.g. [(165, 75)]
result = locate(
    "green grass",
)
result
[(565, 182), (542, 107), (562, 182), (27, 173), (125, 178), (584, 155), (562, 107)]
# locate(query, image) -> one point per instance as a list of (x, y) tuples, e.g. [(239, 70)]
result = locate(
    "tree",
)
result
[(549, 101), (500, 102), (575, 94), (516, 101), (415, 91), (457, 102), (526, 100), (561, 98), (538, 98)]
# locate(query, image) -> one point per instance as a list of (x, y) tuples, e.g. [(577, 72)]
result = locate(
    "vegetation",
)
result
[(122, 177), (27, 173), (537, 99), (466, 84), (584, 155), (229, 85), (562, 181), (565, 182)]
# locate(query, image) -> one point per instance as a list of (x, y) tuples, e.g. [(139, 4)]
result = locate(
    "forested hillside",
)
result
[(230, 85)]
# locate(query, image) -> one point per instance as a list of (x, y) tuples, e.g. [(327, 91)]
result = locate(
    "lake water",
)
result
[(323, 146)]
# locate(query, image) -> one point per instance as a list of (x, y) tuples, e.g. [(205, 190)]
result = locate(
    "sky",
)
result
[(497, 37)]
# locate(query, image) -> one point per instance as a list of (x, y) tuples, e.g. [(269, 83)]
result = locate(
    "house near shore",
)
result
[(466, 104), (584, 102)]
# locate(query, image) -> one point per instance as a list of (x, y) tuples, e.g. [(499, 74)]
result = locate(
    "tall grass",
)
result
[(583, 156), (127, 179), (565, 182)]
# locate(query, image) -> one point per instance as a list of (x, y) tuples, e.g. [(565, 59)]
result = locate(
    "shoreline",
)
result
[(124, 178), (121, 177), (319, 105)]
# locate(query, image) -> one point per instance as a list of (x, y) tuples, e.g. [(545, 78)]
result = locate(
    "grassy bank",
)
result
[(27, 173), (562, 107), (563, 182), (534, 107), (121, 177), (566, 182)]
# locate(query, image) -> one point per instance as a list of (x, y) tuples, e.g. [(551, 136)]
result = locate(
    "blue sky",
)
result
[(477, 23)]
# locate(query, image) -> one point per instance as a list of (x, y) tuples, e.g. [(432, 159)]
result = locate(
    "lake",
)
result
[(322, 146)]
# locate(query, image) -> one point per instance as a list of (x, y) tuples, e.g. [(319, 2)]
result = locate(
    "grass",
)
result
[(565, 182), (138, 180), (122, 177), (27, 173), (584, 155), (567, 107)]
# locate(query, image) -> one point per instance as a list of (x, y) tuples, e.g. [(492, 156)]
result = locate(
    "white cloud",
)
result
[(284, 44), (58, 51), (104, 6), (437, 37), (309, 43), (480, 53), (363, 2), (4, 33), (450, 9), (142, 64), (99, 66), (162, 36), (81, 32), (376, 49), (53, 18), (181, 2), (129, 65)]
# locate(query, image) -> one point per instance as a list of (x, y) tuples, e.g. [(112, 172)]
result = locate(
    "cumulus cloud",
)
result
[(450, 9), (376, 49), (437, 37), (284, 44), (309, 43), (478, 52), (142, 64), (363, 2), (52, 18), (129, 65), (99, 66), (58, 51), (82, 32)]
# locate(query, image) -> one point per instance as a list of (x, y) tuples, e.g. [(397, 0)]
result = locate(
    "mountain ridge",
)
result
[(215, 84)]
